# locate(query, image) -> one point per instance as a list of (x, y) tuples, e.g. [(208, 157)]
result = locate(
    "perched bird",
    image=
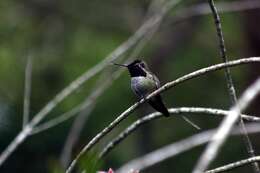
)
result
[(144, 82)]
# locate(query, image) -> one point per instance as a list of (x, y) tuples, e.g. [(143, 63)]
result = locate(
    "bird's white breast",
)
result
[(142, 85)]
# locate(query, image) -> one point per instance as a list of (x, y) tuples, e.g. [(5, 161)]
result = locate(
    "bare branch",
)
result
[(230, 85), (223, 131), (91, 99), (165, 87), (134, 126), (27, 91), (222, 48), (177, 148), (234, 165)]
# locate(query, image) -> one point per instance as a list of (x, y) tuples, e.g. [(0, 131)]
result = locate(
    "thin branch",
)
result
[(222, 133), (153, 116), (234, 165), (177, 148), (230, 84), (27, 91), (165, 87), (91, 99), (222, 48)]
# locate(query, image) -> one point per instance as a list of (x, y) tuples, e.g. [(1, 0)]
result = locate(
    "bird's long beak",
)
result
[(122, 65)]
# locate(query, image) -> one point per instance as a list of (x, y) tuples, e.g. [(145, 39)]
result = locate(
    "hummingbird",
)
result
[(144, 82)]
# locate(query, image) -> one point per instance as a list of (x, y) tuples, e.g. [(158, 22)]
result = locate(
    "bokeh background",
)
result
[(66, 38)]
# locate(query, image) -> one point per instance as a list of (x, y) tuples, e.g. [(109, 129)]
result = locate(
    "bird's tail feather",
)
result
[(158, 105)]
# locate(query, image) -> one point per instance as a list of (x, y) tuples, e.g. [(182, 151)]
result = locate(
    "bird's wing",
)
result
[(157, 103), (152, 76)]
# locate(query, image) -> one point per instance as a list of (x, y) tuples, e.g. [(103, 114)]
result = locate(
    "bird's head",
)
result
[(135, 68)]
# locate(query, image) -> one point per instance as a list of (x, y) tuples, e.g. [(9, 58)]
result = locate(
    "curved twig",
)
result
[(234, 165), (134, 126)]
